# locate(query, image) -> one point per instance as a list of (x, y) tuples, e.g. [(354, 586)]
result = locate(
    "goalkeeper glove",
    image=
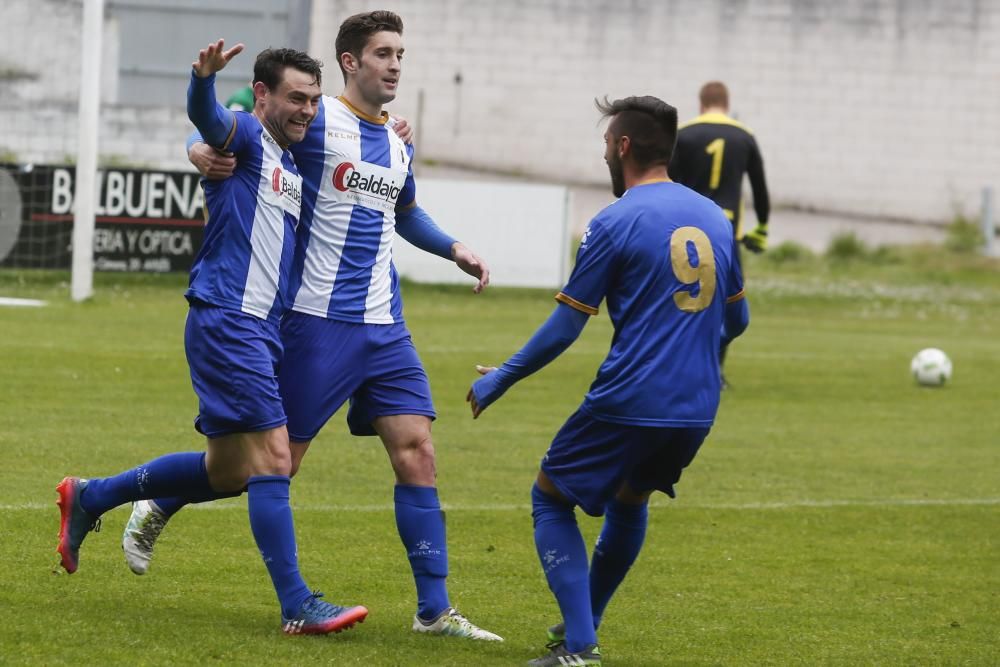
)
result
[(756, 240)]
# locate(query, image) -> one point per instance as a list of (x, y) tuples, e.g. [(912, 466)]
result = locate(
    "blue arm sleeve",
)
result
[(195, 138), (414, 225), (735, 321), (552, 338), (214, 121)]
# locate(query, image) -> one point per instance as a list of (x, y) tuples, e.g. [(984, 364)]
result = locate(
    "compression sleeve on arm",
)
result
[(414, 225), (735, 320), (215, 122), (552, 338)]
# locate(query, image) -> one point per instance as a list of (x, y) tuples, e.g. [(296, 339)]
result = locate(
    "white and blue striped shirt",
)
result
[(245, 260), (355, 172)]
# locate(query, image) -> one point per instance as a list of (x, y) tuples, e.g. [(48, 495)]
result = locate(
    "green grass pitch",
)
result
[(837, 515)]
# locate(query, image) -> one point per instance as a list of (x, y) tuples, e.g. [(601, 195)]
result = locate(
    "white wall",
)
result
[(520, 230), (873, 107)]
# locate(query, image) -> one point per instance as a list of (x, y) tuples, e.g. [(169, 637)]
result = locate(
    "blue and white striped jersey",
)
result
[(245, 260), (355, 172)]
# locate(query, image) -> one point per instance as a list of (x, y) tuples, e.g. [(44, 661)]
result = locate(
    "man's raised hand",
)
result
[(213, 58)]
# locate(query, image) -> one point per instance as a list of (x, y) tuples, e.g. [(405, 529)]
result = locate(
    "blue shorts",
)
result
[(233, 357), (328, 362), (589, 460)]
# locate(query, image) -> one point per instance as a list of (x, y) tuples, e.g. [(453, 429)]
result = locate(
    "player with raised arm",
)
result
[(345, 338), (662, 257), (240, 287)]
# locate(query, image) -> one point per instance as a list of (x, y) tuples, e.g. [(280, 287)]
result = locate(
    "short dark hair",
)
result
[(714, 94), (269, 68), (355, 31), (648, 122)]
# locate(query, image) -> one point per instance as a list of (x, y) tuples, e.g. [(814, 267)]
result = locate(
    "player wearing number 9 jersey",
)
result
[(663, 259)]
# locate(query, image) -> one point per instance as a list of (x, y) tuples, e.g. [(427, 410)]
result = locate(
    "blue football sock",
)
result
[(170, 506), (274, 531), (616, 549), (420, 523), (180, 474), (563, 555)]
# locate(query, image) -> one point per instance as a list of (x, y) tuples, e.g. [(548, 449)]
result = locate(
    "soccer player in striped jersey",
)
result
[(663, 258), (240, 288), (345, 338)]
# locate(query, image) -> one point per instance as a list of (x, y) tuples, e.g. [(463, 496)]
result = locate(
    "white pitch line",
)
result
[(31, 303), (524, 507)]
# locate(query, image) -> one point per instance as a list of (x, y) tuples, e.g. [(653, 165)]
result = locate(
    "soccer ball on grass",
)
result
[(931, 367)]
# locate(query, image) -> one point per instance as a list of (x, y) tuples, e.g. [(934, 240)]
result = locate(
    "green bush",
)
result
[(964, 236), (845, 247), (887, 254), (788, 252)]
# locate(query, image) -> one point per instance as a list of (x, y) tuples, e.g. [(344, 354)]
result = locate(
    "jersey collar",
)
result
[(381, 119)]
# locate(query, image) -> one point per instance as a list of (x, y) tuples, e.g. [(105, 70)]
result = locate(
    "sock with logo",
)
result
[(420, 523), (563, 555), (274, 531), (179, 474), (616, 550)]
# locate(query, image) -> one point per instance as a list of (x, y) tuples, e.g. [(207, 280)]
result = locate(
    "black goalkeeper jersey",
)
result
[(713, 152)]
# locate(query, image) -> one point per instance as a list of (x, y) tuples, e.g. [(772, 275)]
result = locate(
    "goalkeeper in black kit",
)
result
[(712, 154)]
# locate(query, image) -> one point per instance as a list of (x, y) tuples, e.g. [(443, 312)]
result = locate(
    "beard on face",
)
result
[(617, 175)]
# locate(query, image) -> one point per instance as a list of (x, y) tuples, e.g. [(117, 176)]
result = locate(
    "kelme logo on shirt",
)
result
[(284, 186), (368, 184)]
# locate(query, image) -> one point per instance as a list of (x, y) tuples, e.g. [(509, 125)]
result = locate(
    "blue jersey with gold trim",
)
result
[(663, 258)]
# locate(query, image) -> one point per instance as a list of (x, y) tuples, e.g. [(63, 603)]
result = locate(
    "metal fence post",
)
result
[(989, 233)]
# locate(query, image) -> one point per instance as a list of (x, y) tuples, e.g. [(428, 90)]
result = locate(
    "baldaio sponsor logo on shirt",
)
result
[(287, 187), (367, 184)]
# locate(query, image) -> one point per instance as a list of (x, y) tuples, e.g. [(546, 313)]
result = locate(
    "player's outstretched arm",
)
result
[(414, 225), (552, 338), (214, 121)]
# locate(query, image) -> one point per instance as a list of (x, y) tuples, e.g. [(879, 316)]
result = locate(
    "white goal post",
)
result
[(82, 281)]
